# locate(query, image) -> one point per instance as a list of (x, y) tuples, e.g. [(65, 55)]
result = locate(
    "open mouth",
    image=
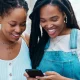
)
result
[(51, 31), (16, 36)]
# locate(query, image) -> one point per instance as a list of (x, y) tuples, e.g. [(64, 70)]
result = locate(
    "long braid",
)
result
[(37, 43), (35, 32)]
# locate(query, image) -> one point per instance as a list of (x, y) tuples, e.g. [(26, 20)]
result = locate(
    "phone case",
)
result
[(34, 72)]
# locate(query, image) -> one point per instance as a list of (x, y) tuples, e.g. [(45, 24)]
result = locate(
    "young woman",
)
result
[(14, 54), (56, 47)]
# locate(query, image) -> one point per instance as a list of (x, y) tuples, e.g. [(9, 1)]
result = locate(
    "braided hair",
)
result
[(7, 5), (38, 41)]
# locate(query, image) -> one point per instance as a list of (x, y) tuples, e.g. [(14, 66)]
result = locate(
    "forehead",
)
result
[(16, 14), (49, 10)]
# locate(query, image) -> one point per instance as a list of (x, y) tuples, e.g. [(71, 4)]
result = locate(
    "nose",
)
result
[(49, 25), (17, 29)]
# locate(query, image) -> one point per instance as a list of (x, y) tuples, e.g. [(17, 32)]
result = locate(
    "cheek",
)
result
[(3, 29), (42, 25), (23, 29), (60, 23)]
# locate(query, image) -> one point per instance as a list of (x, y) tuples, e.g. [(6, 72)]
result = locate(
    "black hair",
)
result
[(7, 5), (38, 42)]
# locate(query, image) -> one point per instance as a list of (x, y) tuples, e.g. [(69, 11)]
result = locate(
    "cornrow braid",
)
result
[(38, 42), (6, 5)]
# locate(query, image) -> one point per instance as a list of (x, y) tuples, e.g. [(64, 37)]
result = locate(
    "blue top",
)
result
[(14, 69), (65, 63)]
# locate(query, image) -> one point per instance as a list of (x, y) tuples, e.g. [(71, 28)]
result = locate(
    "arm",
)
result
[(26, 38)]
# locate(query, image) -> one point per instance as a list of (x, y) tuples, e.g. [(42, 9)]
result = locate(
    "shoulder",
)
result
[(26, 38)]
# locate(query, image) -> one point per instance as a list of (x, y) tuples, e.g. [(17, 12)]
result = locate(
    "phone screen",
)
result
[(34, 72)]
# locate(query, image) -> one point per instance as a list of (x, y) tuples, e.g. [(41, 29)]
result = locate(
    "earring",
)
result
[(65, 20)]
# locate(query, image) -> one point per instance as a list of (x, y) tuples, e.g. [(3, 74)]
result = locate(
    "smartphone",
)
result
[(34, 72)]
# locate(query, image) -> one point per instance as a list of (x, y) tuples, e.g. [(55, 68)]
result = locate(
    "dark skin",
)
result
[(52, 20), (12, 27)]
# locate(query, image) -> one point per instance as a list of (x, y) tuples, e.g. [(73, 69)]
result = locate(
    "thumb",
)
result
[(26, 75)]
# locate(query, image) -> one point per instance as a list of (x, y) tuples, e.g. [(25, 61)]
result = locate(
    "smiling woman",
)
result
[(13, 26), (13, 49), (56, 51)]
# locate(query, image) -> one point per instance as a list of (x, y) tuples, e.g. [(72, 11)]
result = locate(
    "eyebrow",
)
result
[(15, 21), (53, 16), (12, 21), (50, 17)]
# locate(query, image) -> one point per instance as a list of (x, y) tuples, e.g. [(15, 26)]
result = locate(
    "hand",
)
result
[(29, 78), (51, 75)]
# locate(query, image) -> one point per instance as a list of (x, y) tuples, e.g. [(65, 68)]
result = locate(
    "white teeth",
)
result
[(51, 31), (16, 35)]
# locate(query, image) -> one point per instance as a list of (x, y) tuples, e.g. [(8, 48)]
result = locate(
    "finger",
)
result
[(26, 75), (51, 77), (29, 78), (50, 73)]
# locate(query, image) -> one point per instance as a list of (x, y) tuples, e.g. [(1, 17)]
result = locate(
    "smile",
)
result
[(51, 31)]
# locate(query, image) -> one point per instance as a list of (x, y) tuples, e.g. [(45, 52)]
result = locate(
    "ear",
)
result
[(64, 14)]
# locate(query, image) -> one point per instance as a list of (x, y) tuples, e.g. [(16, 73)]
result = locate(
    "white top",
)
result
[(14, 69), (61, 43)]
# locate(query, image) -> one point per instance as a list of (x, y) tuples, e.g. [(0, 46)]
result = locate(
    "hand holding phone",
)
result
[(34, 72)]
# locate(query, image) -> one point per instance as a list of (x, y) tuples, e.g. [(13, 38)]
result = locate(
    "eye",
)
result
[(12, 25), (42, 21), (54, 19), (23, 24)]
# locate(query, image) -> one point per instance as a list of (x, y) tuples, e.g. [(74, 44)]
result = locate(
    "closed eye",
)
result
[(12, 25), (23, 24), (55, 18), (42, 20)]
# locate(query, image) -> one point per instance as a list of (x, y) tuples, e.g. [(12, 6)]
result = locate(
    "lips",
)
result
[(51, 31), (16, 36)]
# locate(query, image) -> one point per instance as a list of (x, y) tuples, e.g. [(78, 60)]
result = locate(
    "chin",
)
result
[(14, 40), (52, 36)]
